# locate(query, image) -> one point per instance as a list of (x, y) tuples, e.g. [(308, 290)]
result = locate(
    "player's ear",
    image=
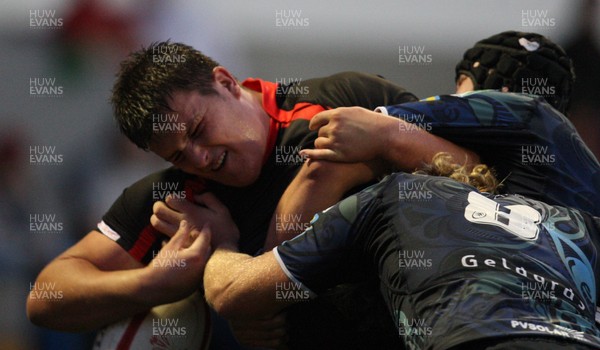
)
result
[(225, 79)]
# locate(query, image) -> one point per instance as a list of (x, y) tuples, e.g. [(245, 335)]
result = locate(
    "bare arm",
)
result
[(318, 185), (96, 282), (369, 144), (239, 286), (354, 134), (256, 330), (89, 296)]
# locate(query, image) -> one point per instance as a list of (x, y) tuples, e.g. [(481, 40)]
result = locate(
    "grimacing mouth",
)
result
[(220, 163)]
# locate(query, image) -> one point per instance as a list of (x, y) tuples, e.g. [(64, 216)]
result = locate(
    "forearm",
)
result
[(222, 271), (318, 185), (238, 286), (409, 147), (71, 294)]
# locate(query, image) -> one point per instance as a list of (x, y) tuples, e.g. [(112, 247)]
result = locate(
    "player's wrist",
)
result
[(148, 287), (154, 286), (390, 137)]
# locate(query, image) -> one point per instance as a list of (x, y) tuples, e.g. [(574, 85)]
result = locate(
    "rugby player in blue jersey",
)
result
[(457, 266), (518, 127)]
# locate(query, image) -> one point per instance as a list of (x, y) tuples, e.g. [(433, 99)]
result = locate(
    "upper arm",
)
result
[(102, 252), (70, 273), (318, 185), (337, 177), (238, 285)]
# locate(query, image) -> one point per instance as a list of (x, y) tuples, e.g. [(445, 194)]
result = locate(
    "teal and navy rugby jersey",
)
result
[(534, 149), (455, 265)]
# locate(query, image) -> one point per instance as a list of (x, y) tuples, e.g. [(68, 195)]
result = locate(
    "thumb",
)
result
[(202, 243)]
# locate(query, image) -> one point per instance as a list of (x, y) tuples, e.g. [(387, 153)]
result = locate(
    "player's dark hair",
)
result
[(513, 60), (147, 79)]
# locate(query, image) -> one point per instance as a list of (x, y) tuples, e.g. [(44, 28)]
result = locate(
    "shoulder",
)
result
[(502, 97), (154, 180), (156, 186), (352, 79)]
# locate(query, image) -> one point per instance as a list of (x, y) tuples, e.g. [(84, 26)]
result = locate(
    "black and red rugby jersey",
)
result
[(290, 107)]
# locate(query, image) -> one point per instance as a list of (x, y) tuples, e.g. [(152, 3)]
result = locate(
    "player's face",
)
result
[(217, 137)]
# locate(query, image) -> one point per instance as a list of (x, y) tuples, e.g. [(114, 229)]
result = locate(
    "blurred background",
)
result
[(63, 161)]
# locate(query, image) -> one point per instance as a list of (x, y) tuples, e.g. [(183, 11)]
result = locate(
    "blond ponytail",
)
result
[(480, 177)]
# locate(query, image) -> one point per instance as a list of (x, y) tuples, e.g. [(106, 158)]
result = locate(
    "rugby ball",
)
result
[(183, 325)]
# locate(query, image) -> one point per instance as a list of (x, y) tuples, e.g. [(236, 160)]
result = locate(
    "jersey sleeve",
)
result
[(534, 149), (327, 253), (127, 222), (476, 110), (482, 123), (356, 89)]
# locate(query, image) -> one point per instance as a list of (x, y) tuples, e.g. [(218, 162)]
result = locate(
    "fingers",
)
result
[(181, 236), (177, 204), (165, 219), (189, 236), (320, 119), (163, 226), (166, 213), (184, 208), (319, 154)]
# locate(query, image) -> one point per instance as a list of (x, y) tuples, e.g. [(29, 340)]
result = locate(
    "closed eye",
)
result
[(197, 130), (176, 157)]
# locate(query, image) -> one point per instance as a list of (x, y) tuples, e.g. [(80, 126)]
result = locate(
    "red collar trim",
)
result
[(269, 104)]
